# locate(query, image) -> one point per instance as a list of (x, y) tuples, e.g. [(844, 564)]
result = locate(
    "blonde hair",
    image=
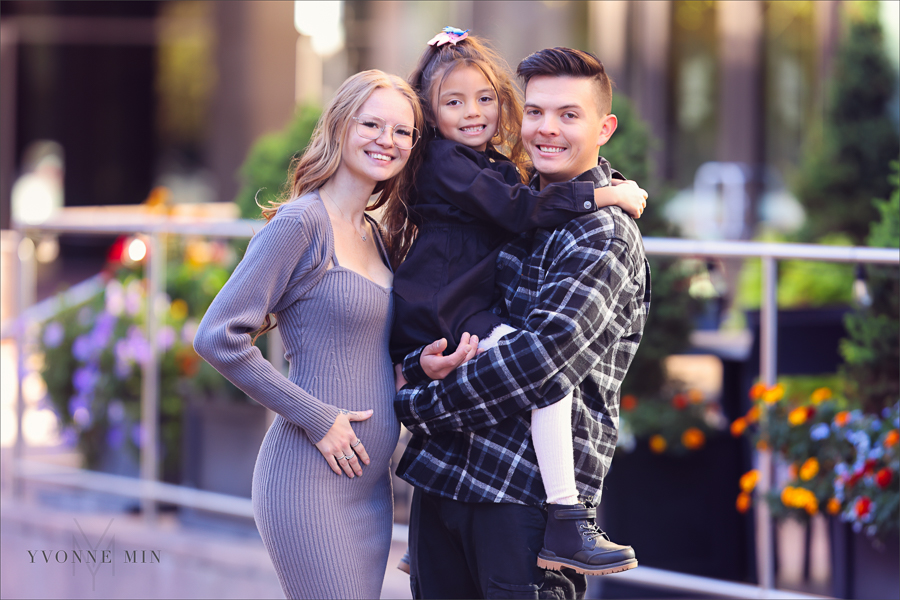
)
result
[(322, 157)]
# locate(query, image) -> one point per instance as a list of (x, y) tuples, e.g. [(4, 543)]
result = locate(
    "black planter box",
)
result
[(678, 513)]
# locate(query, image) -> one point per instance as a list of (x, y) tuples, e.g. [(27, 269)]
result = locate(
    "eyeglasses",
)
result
[(369, 127)]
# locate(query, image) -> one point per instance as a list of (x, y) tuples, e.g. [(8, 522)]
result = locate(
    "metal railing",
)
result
[(156, 228)]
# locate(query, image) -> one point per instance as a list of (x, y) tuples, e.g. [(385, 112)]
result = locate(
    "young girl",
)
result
[(468, 200)]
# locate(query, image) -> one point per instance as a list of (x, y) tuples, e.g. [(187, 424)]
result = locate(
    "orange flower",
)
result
[(658, 444), (792, 470), (738, 426), (820, 395), (811, 506), (629, 402), (757, 391), (863, 506), (749, 480), (809, 469), (693, 438), (679, 401), (773, 394), (797, 416), (842, 418), (743, 502), (834, 506), (753, 414), (695, 396), (762, 445), (891, 438)]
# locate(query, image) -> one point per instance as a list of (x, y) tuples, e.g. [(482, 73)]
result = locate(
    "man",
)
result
[(578, 298)]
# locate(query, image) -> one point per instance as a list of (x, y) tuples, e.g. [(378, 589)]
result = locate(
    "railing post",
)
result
[(768, 354), (154, 271), (26, 278)]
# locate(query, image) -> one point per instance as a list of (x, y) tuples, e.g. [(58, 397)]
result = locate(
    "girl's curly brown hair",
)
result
[(435, 64)]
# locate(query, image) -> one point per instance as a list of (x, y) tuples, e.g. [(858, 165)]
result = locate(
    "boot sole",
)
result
[(561, 563)]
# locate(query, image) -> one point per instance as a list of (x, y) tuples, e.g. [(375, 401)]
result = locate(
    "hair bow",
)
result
[(449, 35)]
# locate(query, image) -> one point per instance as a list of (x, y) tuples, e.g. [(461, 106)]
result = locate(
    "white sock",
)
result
[(494, 337), (551, 432)]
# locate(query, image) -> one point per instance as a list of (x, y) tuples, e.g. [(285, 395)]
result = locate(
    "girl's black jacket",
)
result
[(466, 205)]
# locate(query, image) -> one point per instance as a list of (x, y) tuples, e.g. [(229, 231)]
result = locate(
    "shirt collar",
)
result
[(600, 176)]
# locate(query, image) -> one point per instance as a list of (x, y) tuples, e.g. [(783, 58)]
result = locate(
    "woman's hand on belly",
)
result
[(343, 451)]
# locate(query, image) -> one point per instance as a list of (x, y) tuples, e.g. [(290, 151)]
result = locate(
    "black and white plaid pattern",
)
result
[(579, 296)]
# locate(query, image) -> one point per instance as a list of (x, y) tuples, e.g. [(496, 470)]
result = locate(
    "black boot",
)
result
[(573, 541)]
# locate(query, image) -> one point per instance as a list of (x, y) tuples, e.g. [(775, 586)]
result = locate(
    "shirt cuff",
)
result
[(584, 196), (412, 368)]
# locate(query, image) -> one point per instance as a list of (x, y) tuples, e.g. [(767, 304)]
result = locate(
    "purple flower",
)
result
[(115, 297), (81, 348), (85, 378), (137, 435), (819, 432), (115, 436), (133, 295), (189, 331), (165, 338), (115, 412), (137, 345), (54, 334), (76, 402)]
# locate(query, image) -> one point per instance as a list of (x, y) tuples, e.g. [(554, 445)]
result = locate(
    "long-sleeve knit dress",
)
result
[(328, 535)]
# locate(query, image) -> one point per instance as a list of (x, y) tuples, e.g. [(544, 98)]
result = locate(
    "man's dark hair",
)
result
[(560, 62)]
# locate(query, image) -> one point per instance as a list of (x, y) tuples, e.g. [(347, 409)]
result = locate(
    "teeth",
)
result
[(551, 149), (379, 156), (473, 129)]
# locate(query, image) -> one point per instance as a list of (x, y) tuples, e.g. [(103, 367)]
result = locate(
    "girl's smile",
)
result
[(467, 109)]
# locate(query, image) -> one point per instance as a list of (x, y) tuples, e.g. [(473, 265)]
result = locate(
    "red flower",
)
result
[(854, 478), (629, 402), (680, 401), (869, 467), (863, 506), (810, 412), (883, 478)]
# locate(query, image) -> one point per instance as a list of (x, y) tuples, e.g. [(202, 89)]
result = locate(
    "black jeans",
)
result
[(481, 550)]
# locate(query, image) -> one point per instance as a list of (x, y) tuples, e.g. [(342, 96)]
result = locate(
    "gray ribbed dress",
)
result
[(328, 535)]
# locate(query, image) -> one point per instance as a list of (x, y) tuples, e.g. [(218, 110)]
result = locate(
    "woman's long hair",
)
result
[(322, 157)]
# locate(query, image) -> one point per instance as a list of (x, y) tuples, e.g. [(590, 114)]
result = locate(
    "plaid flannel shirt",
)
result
[(579, 296)]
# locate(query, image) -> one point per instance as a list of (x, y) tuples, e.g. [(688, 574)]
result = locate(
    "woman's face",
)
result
[(378, 159)]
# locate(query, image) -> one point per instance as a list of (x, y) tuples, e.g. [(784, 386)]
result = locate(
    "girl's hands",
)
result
[(438, 366), (624, 194), (340, 441)]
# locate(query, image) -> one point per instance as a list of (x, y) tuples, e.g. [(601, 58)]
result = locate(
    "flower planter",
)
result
[(863, 567), (678, 514), (221, 442)]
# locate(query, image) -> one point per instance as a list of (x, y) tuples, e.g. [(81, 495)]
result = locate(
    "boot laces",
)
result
[(590, 531)]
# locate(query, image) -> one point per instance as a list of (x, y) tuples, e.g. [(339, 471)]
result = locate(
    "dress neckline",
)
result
[(382, 251)]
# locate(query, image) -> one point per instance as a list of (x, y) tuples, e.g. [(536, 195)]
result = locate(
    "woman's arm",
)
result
[(279, 258)]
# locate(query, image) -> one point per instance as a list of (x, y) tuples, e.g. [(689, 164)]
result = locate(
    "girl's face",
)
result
[(467, 108), (378, 159)]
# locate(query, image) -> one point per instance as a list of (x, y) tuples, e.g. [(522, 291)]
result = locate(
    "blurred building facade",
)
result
[(137, 91)]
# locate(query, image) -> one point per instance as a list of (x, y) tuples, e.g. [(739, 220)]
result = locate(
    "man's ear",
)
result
[(610, 122)]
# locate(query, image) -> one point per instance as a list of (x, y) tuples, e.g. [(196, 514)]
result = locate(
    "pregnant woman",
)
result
[(321, 487)]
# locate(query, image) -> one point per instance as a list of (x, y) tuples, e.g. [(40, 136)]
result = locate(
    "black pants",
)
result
[(481, 550)]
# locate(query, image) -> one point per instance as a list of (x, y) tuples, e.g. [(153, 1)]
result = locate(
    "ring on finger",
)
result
[(339, 457), (358, 442), (348, 457)]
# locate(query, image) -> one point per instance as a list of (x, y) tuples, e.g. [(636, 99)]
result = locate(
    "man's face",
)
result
[(562, 127)]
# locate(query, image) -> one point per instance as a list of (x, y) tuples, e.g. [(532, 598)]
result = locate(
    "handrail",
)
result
[(156, 227)]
